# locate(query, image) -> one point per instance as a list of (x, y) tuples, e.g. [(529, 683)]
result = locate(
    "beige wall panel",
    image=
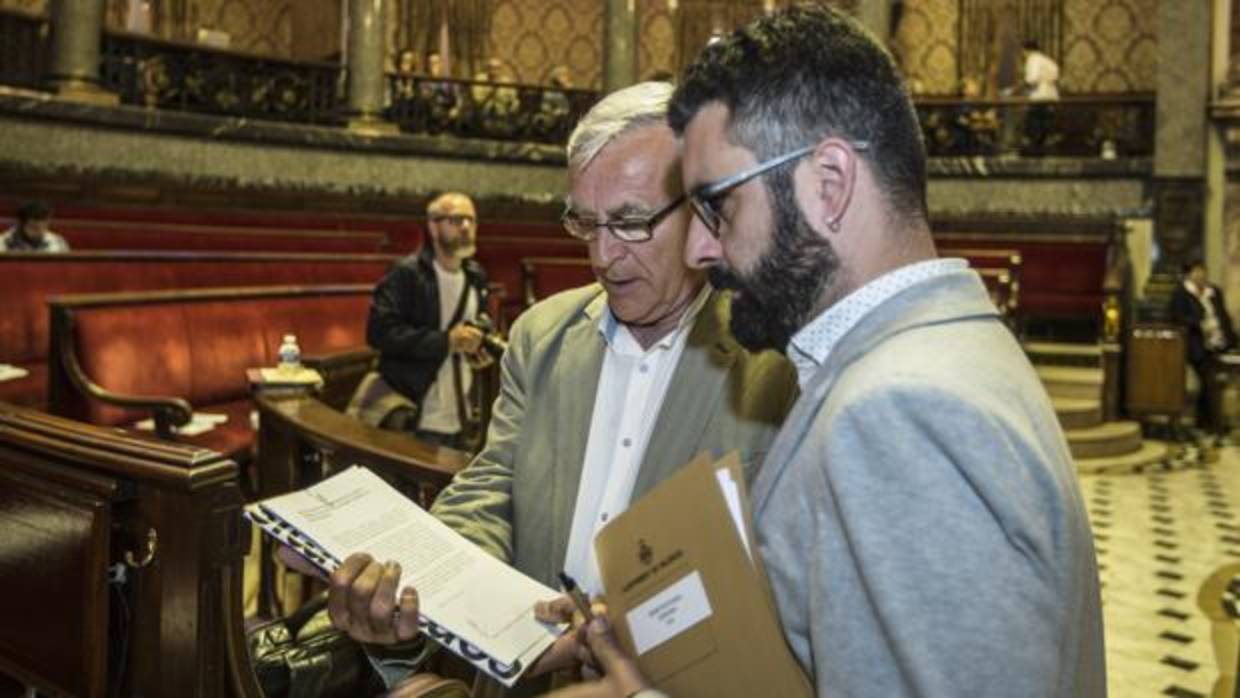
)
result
[(925, 43), (264, 27), (1110, 45), (533, 36), (656, 48), (35, 6)]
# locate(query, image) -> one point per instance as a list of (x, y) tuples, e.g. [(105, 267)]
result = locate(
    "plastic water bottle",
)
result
[(290, 354)]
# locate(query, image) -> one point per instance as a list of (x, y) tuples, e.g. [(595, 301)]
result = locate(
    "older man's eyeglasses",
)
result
[(457, 219), (628, 229), (707, 199)]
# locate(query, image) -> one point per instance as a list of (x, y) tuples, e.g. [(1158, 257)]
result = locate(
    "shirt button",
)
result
[(626, 442), (644, 368), (604, 517)]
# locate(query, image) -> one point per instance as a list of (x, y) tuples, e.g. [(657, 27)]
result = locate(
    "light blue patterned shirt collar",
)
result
[(811, 345)]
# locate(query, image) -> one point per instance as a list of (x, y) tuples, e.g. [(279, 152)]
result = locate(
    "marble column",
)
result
[(367, 83), (77, 31), (620, 45), (1184, 76)]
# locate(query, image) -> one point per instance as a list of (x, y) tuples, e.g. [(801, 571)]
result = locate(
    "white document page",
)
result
[(9, 372), (461, 589), (732, 495)]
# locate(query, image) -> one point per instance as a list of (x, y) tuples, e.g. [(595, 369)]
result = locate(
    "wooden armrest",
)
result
[(168, 412), (341, 359)]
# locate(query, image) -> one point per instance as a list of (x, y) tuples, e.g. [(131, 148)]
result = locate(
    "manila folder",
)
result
[(685, 596)]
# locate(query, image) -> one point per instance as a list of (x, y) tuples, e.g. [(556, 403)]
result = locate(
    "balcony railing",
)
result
[(23, 49), (1106, 126), (469, 109), (167, 75), (189, 77)]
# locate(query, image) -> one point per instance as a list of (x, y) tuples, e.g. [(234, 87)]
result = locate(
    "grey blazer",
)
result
[(516, 498), (919, 514)]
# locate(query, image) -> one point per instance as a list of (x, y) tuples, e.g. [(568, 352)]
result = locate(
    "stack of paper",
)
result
[(199, 423), (478, 607), (280, 376)]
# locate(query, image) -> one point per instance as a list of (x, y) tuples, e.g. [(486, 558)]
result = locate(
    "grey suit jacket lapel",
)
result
[(575, 380), (952, 297), (692, 397)]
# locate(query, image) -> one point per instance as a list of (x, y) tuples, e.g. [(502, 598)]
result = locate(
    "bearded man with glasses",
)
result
[(424, 321), (605, 390), (918, 514)]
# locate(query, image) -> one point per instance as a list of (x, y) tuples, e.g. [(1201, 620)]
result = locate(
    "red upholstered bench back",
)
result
[(546, 276), (195, 345), (28, 280), (1068, 265)]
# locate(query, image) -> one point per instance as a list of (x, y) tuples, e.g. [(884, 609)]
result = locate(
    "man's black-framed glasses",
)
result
[(707, 198), (628, 229)]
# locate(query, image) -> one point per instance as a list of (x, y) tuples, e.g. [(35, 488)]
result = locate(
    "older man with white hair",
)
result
[(606, 389)]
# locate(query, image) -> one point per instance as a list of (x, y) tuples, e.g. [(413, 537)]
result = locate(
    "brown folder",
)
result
[(687, 599)]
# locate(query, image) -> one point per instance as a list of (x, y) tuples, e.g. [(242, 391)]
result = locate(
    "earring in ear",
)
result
[(834, 225)]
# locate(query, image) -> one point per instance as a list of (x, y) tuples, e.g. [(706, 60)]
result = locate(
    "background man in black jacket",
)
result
[(1198, 305), (418, 321)]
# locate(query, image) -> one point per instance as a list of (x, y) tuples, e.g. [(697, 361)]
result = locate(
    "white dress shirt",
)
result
[(1042, 76), (630, 394), (439, 410)]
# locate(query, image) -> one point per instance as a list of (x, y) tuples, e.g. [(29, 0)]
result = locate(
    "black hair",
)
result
[(33, 211), (805, 73), (1031, 45)]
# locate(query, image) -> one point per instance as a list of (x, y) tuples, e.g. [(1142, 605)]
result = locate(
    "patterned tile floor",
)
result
[(1159, 535)]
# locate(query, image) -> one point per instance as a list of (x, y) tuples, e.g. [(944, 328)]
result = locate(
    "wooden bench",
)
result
[(1069, 267), (28, 280), (502, 247), (1000, 271), (545, 276), (119, 358), (77, 501), (135, 235)]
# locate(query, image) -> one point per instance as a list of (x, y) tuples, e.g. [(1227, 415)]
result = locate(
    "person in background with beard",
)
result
[(918, 513), (419, 324)]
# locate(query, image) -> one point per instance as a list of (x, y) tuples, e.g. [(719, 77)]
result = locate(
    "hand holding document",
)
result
[(475, 605), (687, 591)]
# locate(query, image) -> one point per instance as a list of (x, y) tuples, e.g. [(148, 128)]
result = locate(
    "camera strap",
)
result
[(463, 412)]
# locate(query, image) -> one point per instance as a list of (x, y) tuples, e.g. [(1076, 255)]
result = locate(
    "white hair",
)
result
[(616, 114)]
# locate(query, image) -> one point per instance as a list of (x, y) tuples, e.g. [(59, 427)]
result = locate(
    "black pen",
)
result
[(579, 598)]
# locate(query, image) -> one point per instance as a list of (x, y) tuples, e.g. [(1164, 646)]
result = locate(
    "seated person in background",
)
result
[(439, 94), (1199, 307), (31, 233), (420, 325), (975, 126), (494, 100), (606, 389), (554, 109), (404, 81)]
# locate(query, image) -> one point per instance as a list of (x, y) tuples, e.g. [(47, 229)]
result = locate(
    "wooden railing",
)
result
[(1094, 126), (190, 77)]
